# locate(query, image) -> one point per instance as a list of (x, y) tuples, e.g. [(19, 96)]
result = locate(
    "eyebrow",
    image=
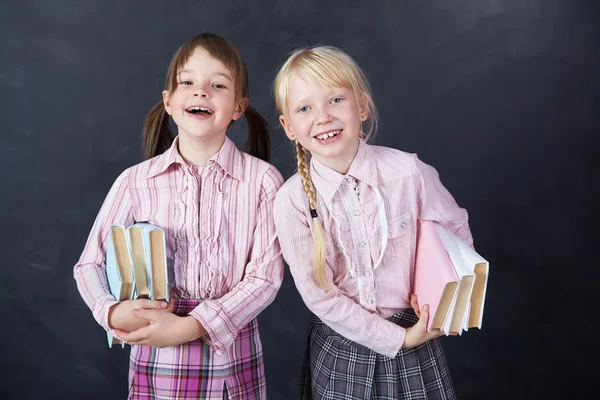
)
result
[(183, 71), (335, 92), (303, 100)]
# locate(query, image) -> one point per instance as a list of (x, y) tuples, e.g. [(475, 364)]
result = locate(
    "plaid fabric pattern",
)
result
[(336, 368), (194, 371)]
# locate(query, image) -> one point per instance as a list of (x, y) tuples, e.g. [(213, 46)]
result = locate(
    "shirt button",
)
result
[(370, 301), (349, 179), (357, 212), (403, 224), (362, 243), (367, 274)]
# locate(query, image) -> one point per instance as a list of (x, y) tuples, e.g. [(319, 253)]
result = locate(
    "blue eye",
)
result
[(219, 86), (336, 100), (187, 83), (303, 109)]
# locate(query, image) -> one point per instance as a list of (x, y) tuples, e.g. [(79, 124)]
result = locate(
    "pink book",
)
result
[(435, 280)]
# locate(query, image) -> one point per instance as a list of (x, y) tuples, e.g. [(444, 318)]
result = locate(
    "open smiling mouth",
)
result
[(327, 135), (196, 110)]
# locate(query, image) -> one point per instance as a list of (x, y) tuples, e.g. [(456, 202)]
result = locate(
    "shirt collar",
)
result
[(363, 168), (229, 158)]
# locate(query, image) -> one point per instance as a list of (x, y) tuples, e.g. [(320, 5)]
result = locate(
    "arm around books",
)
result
[(164, 329), (437, 204), (121, 315)]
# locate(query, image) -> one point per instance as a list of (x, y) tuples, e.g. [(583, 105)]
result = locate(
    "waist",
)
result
[(404, 318), (183, 307)]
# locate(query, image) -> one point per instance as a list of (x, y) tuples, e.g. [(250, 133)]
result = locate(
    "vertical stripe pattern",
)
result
[(221, 249)]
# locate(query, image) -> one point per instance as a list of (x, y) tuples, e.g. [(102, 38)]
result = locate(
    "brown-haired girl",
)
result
[(215, 204)]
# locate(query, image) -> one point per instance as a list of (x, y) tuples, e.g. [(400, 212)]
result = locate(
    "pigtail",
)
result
[(157, 136), (319, 249), (258, 143)]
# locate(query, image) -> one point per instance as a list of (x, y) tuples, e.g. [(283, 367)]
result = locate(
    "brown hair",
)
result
[(331, 67), (157, 136)]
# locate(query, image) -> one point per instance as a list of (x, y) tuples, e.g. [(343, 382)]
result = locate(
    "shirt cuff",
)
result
[(390, 340), (397, 345), (221, 333)]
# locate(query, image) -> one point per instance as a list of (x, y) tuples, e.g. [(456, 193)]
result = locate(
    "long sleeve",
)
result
[(335, 309), (90, 270), (437, 204), (224, 317)]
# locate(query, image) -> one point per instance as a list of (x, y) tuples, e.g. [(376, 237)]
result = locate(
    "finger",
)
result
[(435, 333), (139, 343), (121, 334), (413, 299), (414, 303), (151, 304), (417, 310), (124, 336), (136, 336), (424, 317), (170, 305), (150, 315)]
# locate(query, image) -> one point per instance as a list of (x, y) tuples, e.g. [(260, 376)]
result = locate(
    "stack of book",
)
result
[(136, 264), (451, 277)]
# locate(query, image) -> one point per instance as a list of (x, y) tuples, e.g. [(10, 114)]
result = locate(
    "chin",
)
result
[(200, 135), (330, 154)]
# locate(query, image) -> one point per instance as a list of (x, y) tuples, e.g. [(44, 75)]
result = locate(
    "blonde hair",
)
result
[(333, 68)]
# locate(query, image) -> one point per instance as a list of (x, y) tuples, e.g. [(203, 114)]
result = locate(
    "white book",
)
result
[(481, 268), (473, 271)]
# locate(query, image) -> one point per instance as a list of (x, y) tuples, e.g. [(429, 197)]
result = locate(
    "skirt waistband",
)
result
[(184, 307)]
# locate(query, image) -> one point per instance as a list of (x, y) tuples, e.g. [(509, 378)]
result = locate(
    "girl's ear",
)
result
[(287, 127), (240, 109), (167, 101), (363, 107)]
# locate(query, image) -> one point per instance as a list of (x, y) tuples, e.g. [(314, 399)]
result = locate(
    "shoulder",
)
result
[(255, 170), (130, 174), (293, 188), (394, 163), (147, 167), (137, 175), (291, 197)]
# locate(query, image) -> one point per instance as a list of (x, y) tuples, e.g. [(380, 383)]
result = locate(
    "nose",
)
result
[(199, 91), (323, 117)]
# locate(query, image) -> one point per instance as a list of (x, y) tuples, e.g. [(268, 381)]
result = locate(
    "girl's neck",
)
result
[(343, 162), (341, 166), (197, 152)]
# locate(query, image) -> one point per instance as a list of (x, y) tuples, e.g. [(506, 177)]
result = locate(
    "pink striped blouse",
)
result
[(221, 240), (369, 216)]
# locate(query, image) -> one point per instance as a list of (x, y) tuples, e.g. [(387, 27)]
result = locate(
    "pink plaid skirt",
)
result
[(194, 371)]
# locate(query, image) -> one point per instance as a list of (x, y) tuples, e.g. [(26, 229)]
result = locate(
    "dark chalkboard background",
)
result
[(501, 96)]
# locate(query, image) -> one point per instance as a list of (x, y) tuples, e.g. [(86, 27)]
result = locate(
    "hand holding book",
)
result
[(418, 333), (164, 329), (451, 278), (121, 316), (136, 269)]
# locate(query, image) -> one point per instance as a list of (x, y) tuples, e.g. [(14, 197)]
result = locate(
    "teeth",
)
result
[(200, 109), (324, 136)]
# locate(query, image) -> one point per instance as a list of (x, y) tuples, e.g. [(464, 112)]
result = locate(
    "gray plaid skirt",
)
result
[(336, 368)]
